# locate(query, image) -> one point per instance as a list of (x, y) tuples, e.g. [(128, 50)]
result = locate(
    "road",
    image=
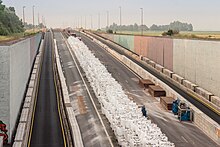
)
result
[(92, 130), (182, 134), (47, 130), (187, 96)]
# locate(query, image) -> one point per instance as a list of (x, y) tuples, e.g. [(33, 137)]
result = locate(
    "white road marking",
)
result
[(184, 139)]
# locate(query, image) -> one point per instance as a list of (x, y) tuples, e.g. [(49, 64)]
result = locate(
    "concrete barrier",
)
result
[(152, 63), (203, 93), (206, 124), (74, 127), (215, 100), (168, 73), (159, 67), (177, 78), (145, 59), (189, 85)]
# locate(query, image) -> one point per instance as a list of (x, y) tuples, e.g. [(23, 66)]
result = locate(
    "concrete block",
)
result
[(29, 92), (35, 66), (20, 132), (34, 71), (152, 63), (168, 73), (207, 95), (17, 144), (178, 78), (28, 99), (189, 85), (31, 84), (159, 67), (26, 105), (33, 76), (37, 60), (24, 115), (145, 59), (215, 100)]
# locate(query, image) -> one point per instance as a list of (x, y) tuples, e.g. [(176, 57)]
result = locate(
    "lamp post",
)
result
[(107, 20), (24, 15), (141, 21), (85, 22), (33, 17), (120, 16), (38, 19), (91, 23), (99, 21)]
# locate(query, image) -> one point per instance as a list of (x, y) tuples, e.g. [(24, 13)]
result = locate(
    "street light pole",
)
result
[(120, 16), (91, 23), (99, 21), (23, 16), (85, 22), (81, 21), (141, 21), (33, 18), (38, 19), (107, 19)]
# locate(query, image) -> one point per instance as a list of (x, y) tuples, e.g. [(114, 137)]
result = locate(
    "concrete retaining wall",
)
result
[(195, 60), (15, 65), (4, 84), (198, 61), (126, 41)]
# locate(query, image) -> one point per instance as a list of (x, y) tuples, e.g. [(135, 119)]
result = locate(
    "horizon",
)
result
[(202, 15)]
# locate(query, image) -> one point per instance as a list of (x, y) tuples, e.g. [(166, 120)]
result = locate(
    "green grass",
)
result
[(207, 35), (17, 36)]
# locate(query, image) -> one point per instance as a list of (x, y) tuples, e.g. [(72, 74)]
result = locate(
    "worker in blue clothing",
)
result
[(144, 111)]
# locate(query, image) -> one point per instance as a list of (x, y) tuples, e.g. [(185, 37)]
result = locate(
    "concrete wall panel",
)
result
[(34, 44), (198, 62), (168, 53), (19, 73), (141, 45), (126, 41), (4, 84), (155, 50), (15, 65)]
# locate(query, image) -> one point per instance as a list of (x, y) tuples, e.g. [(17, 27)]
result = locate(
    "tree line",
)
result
[(176, 25), (9, 21)]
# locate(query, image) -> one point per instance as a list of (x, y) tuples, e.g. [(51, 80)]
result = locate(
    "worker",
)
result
[(144, 111)]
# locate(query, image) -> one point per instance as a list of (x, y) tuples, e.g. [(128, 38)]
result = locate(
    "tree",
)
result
[(12, 9), (9, 21), (176, 25)]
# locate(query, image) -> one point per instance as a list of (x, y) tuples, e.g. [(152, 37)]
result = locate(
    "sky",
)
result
[(203, 14)]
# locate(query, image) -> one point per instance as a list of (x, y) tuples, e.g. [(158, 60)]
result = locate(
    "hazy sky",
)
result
[(203, 14)]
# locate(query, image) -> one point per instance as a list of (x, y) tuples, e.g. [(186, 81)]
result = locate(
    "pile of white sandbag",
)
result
[(130, 127)]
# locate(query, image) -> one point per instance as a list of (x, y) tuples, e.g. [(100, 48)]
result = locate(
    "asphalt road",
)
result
[(181, 133), (196, 103), (92, 131), (47, 127)]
